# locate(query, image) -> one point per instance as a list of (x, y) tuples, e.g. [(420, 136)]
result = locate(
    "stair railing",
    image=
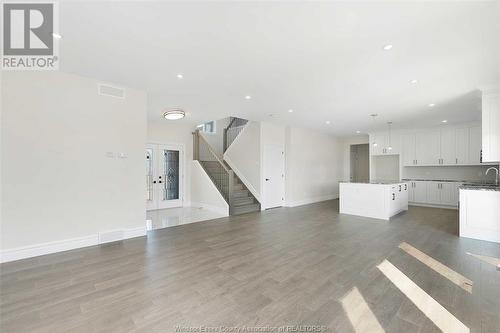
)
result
[(234, 128), (221, 175)]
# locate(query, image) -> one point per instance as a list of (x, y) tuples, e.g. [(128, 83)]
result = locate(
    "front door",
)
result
[(164, 178), (274, 175)]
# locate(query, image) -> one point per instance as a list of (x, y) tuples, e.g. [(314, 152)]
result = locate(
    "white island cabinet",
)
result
[(379, 200), (480, 212)]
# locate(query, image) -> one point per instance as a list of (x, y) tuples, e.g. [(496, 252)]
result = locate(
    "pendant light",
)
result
[(374, 115), (389, 124)]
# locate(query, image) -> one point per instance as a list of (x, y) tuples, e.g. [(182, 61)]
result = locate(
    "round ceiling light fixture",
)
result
[(174, 114)]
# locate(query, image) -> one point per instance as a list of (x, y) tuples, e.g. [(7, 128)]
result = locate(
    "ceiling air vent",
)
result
[(107, 90)]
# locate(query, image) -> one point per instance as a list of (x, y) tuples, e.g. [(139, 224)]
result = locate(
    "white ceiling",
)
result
[(323, 60)]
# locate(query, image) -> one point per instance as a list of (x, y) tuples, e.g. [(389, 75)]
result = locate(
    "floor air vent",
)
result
[(107, 90)]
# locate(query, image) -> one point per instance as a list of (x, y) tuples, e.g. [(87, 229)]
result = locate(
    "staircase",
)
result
[(238, 197)]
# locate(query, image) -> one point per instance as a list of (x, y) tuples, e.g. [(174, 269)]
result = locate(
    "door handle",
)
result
[(393, 196), (159, 182), (154, 181), (267, 179)]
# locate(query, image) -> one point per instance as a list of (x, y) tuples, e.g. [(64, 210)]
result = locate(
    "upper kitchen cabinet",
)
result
[(385, 144), (428, 147), (491, 124), (408, 149), (475, 145), (446, 146)]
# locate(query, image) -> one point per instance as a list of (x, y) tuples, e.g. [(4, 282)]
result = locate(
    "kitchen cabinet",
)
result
[(448, 146), (408, 149), (442, 193), (417, 191), (427, 147), (475, 145), (491, 124), (445, 146), (462, 145), (384, 142)]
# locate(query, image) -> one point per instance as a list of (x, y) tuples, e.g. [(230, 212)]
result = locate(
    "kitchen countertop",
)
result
[(375, 182), (480, 187), (436, 180)]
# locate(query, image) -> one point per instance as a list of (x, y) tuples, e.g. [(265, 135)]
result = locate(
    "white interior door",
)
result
[(274, 175), (164, 176)]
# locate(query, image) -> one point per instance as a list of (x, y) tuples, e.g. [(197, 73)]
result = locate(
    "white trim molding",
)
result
[(64, 245)]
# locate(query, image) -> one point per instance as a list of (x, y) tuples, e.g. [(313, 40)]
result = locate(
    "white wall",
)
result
[(175, 132), (57, 182), (204, 192), (385, 167), (244, 157), (314, 166)]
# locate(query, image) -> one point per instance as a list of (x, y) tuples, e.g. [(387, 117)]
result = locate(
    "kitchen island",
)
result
[(480, 212), (378, 199)]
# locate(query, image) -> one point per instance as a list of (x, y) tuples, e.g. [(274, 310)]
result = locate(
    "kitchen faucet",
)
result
[(497, 175)]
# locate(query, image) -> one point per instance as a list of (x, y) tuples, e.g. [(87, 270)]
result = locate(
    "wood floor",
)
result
[(287, 266)]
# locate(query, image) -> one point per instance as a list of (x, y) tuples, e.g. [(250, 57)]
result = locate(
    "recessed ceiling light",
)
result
[(432, 105), (357, 132), (174, 114), (444, 121), (180, 76), (387, 47), (290, 110), (413, 81), (248, 97), (328, 122), (56, 35)]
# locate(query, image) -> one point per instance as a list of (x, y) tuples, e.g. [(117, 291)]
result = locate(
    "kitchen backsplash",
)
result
[(470, 173)]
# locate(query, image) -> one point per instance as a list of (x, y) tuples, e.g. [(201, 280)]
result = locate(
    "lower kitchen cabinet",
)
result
[(418, 191), (433, 193)]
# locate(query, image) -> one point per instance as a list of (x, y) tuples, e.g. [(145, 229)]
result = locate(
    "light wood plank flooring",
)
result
[(287, 266)]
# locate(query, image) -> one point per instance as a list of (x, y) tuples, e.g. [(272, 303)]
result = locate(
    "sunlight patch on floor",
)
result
[(441, 317), (490, 260), (435, 265), (359, 313)]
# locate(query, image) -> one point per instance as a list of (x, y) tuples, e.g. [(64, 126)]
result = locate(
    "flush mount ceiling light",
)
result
[(56, 35), (387, 47), (180, 76), (328, 122), (432, 105), (414, 81), (444, 121), (174, 114), (290, 110), (248, 97), (357, 132)]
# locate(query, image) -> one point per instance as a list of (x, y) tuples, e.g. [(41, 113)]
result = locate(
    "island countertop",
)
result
[(375, 182)]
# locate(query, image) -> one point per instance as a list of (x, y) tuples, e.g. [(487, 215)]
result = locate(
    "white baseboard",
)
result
[(245, 181), (308, 201), (62, 245), (219, 210)]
